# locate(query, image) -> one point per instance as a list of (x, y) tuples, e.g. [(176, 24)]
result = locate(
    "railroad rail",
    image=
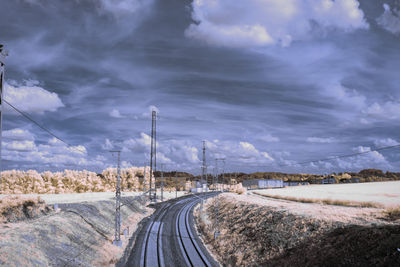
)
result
[(152, 248), (190, 249)]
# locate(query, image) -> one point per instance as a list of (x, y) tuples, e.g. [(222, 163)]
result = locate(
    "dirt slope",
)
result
[(79, 234), (254, 234)]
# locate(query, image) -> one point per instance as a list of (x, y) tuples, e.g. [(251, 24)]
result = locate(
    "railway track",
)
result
[(187, 242), (152, 253)]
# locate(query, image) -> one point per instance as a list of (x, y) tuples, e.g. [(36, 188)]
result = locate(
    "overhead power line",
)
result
[(342, 156), (319, 160), (41, 126)]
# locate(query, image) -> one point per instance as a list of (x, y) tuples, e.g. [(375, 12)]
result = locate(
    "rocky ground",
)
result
[(259, 231)]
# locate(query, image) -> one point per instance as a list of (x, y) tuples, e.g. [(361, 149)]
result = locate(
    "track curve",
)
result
[(168, 237)]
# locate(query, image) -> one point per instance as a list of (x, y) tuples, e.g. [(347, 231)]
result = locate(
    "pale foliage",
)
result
[(238, 189), (15, 208), (71, 181)]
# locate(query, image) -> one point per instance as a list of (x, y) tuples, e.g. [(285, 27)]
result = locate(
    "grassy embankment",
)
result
[(77, 234), (259, 235)]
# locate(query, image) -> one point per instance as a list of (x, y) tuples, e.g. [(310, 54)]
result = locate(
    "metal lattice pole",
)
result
[(3, 55), (204, 166), (117, 239), (152, 150), (216, 232), (176, 184), (223, 175), (162, 182), (216, 175), (144, 177), (155, 154)]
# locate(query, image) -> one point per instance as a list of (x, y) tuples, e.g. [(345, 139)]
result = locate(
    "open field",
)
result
[(382, 194)]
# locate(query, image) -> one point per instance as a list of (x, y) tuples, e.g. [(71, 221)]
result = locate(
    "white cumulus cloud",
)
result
[(124, 7), (385, 142), (389, 110), (18, 134), (390, 19), (115, 114), (321, 140), (31, 98), (370, 159), (269, 138), (255, 23), (23, 148), (244, 152), (107, 145)]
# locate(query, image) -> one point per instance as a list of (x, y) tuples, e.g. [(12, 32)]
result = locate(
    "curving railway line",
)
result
[(168, 237)]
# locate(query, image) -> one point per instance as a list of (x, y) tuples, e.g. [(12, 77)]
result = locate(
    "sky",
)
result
[(266, 83)]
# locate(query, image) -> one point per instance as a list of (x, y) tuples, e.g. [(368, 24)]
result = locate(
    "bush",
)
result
[(15, 208), (70, 181)]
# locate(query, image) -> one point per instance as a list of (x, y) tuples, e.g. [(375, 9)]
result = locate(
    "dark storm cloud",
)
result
[(98, 59)]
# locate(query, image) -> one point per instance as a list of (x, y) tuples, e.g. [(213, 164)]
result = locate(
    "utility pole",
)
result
[(216, 232), (162, 182), (204, 166), (3, 55), (144, 177), (153, 151), (223, 168), (223, 174), (176, 184), (117, 239), (154, 113)]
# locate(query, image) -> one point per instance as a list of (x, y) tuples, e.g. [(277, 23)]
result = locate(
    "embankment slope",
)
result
[(257, 231), (76, 234)]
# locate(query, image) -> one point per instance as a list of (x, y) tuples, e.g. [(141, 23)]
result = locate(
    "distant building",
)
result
[(295, 183), (316, 181), (329, 180), (262, 183), (198, 187)]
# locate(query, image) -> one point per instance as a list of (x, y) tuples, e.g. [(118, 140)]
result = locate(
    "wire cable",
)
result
[(319, 160), (42, 127), (342, 156)]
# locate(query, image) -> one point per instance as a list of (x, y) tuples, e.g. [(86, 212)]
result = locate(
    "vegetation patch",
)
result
[(347, 203), (79, 234), (257, 235), (16, 208), (393, 213)]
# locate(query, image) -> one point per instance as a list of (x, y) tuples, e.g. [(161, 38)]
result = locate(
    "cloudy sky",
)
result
[(267, 83)]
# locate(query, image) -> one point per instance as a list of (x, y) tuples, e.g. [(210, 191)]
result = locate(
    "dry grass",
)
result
[(238, 189), (78, 235), (251, 234), (392, 213), (259, 235), (16, 208), (346, 203)]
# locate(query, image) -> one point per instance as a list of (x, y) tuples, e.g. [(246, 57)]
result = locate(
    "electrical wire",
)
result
[(42, 127), (319, 160), (341, 156), (280, 165)]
